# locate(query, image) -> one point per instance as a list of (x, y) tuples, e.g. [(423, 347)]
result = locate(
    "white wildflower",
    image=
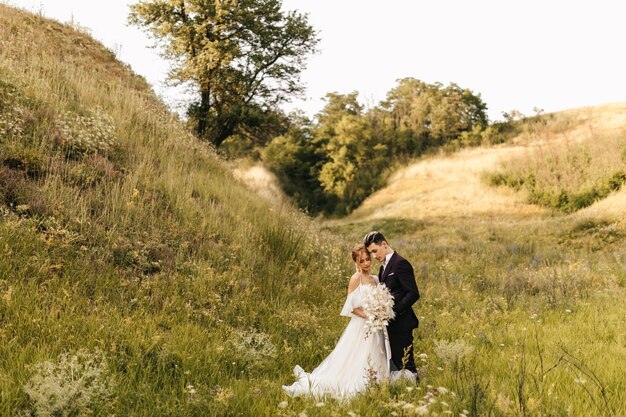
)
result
[(421, 410), (283, 404), (454, 351), (69, 384)]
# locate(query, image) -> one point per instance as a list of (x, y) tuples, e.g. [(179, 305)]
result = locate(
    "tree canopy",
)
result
[(332, 165), (242, 57)]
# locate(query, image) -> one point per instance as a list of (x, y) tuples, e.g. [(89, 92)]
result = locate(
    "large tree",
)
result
[(243, 57)]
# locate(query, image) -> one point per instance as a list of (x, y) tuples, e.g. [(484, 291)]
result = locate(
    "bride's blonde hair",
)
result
[(356, 252)]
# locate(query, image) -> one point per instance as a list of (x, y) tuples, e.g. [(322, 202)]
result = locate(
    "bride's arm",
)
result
[(355, 280), (360, 312)]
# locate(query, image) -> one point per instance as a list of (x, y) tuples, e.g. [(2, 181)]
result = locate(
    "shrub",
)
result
[(452, 352), (91, 133), (68, 385), (92, 171), (16, 156), (567, 177)]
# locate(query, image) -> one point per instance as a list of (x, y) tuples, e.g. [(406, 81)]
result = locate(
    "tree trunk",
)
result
[(222, 131), (203, 113)]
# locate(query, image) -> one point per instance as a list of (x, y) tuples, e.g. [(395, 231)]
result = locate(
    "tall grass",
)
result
[(515, 319), (144, 280), (123, 236), (565, 175)]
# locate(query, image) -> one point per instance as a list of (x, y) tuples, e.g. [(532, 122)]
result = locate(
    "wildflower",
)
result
[(421, 410), (54, 384), (190, 389), (409, 389), (320, 404), (442, 390), (453, 351), (283, 404)]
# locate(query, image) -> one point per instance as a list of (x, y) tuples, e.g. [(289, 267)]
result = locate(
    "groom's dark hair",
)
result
[(373, 237)]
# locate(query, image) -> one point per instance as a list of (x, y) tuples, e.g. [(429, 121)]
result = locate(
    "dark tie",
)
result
[(380, 273)]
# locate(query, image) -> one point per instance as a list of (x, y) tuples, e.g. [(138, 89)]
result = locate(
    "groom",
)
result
[(397, 274)]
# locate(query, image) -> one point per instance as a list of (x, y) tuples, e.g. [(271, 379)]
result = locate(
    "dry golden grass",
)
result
[(612, 208), (451, 187), (263, 182)]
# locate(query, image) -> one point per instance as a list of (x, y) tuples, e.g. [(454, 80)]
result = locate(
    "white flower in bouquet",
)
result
[(378, 306)]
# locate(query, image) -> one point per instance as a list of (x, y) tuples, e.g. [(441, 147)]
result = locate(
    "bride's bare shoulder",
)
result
[(355, 280)]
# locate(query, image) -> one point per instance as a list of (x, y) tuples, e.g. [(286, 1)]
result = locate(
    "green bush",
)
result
[(32, 162)]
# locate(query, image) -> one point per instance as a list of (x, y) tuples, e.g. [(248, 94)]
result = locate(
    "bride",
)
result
[(356, 359)]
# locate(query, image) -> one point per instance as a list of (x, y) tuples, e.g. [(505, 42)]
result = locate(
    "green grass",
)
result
[(568, 176), (178, 292)]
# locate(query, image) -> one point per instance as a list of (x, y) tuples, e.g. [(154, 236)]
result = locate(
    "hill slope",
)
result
[(138, 276), (454, 186), (522, 308)]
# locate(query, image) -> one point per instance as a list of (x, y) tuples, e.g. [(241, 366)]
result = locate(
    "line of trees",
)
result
[(243, 59), (331, 165)]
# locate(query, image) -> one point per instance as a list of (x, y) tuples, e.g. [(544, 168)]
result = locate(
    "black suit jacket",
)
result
[(400, 279)]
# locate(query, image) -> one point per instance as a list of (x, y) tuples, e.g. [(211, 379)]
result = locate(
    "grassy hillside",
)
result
[(523, 308), (137, 275), (570, 169)]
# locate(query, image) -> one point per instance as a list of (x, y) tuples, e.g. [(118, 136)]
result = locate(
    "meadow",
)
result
[(140, 277)]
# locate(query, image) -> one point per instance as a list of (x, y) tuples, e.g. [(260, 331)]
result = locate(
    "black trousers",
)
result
[(401, 342)]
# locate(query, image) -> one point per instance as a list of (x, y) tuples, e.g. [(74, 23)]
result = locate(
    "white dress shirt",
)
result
[(389, 255)]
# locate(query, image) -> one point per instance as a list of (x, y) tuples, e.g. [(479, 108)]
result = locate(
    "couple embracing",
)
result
[(360, 357)]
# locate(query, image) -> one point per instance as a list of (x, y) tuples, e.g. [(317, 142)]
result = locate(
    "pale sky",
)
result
[(549, 54)]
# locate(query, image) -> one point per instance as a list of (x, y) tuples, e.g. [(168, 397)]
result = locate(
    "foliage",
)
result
[(242, 58), (168, 262), (69, 385), (91, 133), (430, 115), (295, 159), (568, 177), (348, 153)]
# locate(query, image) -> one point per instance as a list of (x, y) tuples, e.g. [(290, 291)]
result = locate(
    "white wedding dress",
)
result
[(354, 361)]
